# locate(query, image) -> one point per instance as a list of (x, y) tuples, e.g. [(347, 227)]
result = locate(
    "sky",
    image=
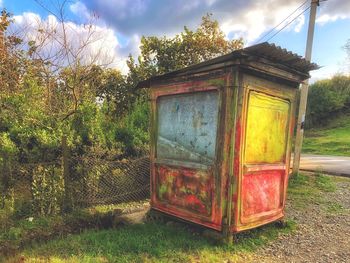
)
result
[(120, 24)]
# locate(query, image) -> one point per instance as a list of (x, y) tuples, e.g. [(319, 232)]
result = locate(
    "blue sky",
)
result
[(125, 21)]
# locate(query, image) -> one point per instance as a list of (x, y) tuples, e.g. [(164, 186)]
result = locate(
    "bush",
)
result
[(8, 151), (47, 190), (326, 98)]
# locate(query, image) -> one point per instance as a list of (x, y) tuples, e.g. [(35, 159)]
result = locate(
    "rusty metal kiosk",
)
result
[(221, 134)]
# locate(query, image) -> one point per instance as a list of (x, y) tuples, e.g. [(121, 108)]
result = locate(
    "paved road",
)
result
[(337, 165)]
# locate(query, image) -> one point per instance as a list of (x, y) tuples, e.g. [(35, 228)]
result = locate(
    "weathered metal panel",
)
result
[(266, 132), (263, 170), (261, 192), (186, 188), (187, 126)]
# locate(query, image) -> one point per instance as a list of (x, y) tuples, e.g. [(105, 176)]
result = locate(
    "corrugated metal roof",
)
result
[(270, 52), (280, 55)]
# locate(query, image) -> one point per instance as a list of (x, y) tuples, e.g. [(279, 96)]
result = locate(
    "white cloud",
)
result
[(79, 9), (1, 4), (259, 18), (88, 44), (249, 18), (325, 18), (332, 10), (327, 72)]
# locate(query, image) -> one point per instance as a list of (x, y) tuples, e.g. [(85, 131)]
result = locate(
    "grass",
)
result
[(151, 242), (307, 190), (333, 139)]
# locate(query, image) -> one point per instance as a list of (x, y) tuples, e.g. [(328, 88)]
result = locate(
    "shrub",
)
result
[(8, 151), (47, 190), (326, 98)]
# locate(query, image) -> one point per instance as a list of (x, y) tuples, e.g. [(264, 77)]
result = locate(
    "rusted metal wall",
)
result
[(187, 138), (262, 145), (220, 149)]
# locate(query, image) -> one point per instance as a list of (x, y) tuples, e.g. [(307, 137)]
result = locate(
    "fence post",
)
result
[(68, 202)]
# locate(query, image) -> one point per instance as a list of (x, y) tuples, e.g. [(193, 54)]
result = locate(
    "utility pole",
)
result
[(304, 90)]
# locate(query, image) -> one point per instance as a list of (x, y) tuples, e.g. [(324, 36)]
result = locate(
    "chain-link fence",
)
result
[(70, 183), (95, 181)]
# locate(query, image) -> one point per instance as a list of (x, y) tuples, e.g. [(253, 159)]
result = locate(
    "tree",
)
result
[(68, 66), (162, 55), (11, 57), (326, 98)]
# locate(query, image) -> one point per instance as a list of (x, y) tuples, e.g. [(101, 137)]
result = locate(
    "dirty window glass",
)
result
[(187, 125)]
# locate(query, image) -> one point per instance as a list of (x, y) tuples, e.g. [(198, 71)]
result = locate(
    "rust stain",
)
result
[(188, 188), (261, 192)]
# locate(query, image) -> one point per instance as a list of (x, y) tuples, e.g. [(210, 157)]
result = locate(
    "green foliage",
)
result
[(134, 132), (47, 190), (160, 55), (98, 110), (327, 98), (128, 135), (8, 152), (95, 108)]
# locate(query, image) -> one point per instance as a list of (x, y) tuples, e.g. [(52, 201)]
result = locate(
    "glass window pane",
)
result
[(187, 126)]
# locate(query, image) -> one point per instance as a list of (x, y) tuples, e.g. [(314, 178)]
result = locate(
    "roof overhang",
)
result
[(253, 57)]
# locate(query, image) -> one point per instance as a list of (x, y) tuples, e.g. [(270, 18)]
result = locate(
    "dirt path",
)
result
[(322, 235)]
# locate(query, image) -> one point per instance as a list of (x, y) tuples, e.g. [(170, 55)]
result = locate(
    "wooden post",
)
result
[(68, 204), (304, 91)]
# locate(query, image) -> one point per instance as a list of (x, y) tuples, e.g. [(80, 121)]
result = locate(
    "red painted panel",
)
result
[(185, 188), (261, 192)]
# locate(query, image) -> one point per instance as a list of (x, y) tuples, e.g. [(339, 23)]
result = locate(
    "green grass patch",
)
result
[(301, 190), (151, 242), (333, 139), (335, 208), (15, 234), (325, 183), (307, 190)]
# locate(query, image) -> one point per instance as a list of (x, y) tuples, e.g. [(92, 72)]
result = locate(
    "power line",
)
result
[(275, 27), (289, 22)]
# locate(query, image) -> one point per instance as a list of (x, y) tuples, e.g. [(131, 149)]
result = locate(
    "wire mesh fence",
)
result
[(95, 181), (75, 182)]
